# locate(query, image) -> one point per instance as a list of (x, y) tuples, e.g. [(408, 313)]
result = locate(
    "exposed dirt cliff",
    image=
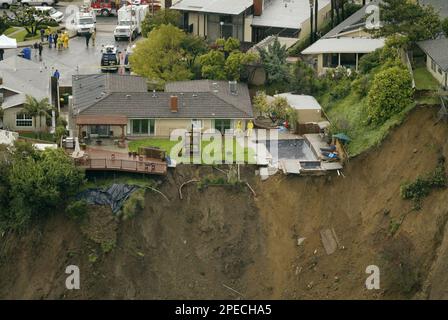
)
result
[(222, 242)]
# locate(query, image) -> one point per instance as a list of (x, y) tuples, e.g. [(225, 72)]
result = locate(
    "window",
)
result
[(100, 130), (142, 126), (331, 60), (222, 125), (196, 124), (24, 120), (433, 65)]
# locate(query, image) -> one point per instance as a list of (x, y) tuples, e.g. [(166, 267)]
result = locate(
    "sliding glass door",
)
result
[(142, 126)]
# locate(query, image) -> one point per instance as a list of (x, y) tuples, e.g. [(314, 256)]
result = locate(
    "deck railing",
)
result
[(123, 165)]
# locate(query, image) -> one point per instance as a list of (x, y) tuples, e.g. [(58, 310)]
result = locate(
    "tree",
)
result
[(37, 184), (391, 92), (224, 61), (260, 103), (409, 19), (212, 65), (194, 46), (279, 108), (163, 16), (28, 17), (237, 62), (36, 108), (4, 23), (161, 57), (445, 27), (304, 80), (274, 62)]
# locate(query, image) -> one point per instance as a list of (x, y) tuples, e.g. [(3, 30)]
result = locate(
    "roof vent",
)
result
[(128, 96), (154, 94)]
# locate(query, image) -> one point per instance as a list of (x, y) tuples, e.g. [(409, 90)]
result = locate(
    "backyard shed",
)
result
[(308, 109)]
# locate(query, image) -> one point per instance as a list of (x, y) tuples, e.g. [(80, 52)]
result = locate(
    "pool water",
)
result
[(292, 149)]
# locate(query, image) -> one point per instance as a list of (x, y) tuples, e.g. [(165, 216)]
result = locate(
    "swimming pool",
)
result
[(296, 149)]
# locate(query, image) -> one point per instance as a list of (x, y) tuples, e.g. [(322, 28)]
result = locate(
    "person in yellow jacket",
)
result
[(250, 127), (59, 43), (48, 32), (65, 39), (93, 37)]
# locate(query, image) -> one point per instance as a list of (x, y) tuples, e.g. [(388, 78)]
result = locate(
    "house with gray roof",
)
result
[(115, 105), (436, 59), (345, 44), (18, 78), (250, 20)]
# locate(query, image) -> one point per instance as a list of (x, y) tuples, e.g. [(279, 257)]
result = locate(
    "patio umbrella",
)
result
[(7, 42), (342, 136)]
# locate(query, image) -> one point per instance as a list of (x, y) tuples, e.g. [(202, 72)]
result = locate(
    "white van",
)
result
[(43, 3), (84, 22), (56, 15)]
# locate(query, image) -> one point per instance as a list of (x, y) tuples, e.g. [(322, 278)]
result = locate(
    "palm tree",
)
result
[(36, 108)]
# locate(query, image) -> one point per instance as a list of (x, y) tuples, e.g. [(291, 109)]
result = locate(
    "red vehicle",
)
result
[(110, 7), (105, 7)]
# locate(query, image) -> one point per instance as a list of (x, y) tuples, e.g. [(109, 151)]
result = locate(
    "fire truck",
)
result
[(110, 7)]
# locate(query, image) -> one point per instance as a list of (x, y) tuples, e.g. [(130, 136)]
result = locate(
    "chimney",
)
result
[(173, 104), (258, 7), (233, 88)]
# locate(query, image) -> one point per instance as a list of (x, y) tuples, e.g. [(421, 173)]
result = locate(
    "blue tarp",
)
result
[(115, 196)]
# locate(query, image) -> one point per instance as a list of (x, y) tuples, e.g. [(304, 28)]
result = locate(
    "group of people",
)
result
[(58, 40)]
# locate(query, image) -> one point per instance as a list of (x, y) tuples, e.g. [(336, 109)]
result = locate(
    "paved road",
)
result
[(78, 59)]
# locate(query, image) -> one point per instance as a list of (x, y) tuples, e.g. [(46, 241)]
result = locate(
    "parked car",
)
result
[(5, 4), (42, 3), (56, 15)]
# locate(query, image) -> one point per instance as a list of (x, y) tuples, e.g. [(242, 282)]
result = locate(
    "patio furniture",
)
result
[(99, 142)]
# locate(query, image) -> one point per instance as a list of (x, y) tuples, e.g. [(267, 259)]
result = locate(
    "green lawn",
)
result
[(164, 144), (167, 145), (350, 114), (424, 80), (42, 136), (20, 34)]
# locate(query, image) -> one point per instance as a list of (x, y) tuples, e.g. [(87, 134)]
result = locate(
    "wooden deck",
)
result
[(103, 160)]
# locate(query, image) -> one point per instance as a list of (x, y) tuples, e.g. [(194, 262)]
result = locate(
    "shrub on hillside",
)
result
[(341, 90), (370, 61), (77, 210), (391, 92), (422, 186), (134, 205)]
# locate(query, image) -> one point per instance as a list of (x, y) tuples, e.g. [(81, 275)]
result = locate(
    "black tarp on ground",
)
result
[(114, 196)]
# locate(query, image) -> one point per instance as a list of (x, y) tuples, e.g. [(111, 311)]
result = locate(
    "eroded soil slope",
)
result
[(222, 242)]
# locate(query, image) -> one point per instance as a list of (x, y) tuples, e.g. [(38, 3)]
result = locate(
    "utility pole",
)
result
[(312, 20), (332, 13), (316, 18)]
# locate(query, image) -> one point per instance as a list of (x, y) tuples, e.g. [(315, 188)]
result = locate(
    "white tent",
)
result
[(7, 42)]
